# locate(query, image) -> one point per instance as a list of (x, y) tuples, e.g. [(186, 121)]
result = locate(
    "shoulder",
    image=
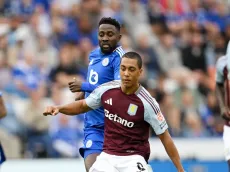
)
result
[(112, 84), (94, 53), (148, 101), (221, 63), (118, 52), (107, 86)]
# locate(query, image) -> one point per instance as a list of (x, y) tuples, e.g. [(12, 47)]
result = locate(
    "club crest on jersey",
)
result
[(160, 117), (105, 61), (132, 110)]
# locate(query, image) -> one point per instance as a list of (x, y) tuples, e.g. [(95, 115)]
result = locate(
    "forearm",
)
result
[(173, 154), (172, 151), (74, 108), (87, 87)]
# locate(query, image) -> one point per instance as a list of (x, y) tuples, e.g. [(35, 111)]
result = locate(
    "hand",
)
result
[(75, 85), (225, 113), (51, 110)]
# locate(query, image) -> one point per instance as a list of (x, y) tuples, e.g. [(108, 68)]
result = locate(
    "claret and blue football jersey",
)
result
[(102, 68)]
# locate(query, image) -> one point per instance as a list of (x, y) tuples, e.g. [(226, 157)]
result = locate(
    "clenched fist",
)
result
[(75, 85), (225, 113), (51, 110)]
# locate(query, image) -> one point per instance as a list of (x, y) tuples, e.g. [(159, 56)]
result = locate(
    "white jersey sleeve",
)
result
[(220, 64), (152, 112), (94, 99)]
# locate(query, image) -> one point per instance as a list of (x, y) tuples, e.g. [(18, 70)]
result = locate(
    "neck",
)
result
[(130, 90)]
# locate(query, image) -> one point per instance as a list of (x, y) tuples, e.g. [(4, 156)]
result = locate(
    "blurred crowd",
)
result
[(45, 43)]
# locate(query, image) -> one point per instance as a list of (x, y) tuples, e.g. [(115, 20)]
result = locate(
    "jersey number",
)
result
[(93, 77)]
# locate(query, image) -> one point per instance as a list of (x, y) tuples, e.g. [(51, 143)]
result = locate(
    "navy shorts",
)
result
[(93, 142)]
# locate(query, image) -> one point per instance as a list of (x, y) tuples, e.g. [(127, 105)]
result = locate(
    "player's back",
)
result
[(102, 68), (127, 122)]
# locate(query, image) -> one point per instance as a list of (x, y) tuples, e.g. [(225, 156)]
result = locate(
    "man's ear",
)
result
[(120, 36), (141, 71)]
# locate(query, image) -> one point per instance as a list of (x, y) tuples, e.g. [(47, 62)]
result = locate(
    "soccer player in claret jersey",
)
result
[(129, 112), (104, 64), (223, 95), (2, 114)]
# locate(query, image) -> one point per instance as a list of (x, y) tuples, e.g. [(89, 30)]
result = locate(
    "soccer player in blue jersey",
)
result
[(2, 114), (104, 65)]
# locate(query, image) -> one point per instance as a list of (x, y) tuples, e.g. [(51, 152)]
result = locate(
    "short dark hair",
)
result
[(111, 21), (134, 55)]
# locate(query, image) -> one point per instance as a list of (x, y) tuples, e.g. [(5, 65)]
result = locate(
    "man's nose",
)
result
[(105, 38), (126, 73)]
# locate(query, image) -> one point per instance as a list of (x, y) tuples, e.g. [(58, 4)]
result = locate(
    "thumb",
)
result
[(55, 112)]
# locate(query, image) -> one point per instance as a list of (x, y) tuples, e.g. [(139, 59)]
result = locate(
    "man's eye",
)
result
[(110, 34), (132, 70)]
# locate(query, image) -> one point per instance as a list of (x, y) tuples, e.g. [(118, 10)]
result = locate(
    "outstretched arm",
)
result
[(74, 108), (171, 150), (79, 86)]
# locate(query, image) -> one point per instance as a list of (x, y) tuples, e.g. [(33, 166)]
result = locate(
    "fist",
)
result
[(75, 85), (225, 113), (51, 110), (225, 116)]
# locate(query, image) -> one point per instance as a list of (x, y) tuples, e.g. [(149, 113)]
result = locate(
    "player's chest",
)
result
[(100, 70), (125, 107), (100, 64)]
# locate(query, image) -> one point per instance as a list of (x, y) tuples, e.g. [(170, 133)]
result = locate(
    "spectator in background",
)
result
[(36, 128), (67, 69), (193, 56), (150, 58), (169, 56), (27, 75)]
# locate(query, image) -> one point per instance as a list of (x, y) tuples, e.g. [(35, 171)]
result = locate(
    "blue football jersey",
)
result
[(102, 68)]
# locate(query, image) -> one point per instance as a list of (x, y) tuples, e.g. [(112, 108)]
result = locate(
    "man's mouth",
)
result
[(126, 80), (105, 46)]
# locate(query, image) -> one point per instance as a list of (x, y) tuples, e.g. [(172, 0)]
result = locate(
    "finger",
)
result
[(55, 112), (72, 86), (73, 90), (45, 113), (70, 83), (48, 111)]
